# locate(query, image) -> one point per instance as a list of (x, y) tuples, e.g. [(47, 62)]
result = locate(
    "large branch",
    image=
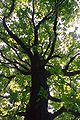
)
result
[(46, 17), (14, 36), (54, 38), (35, 28), (19, 42), (35, 36), (53, 12)]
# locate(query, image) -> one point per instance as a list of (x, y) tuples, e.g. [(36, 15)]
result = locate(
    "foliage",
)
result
[(57, 47)]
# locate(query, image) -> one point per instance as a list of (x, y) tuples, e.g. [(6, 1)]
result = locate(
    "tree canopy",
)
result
[(39, 60)]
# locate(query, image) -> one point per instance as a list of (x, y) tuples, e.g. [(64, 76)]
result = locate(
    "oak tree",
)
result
[(39, 60)]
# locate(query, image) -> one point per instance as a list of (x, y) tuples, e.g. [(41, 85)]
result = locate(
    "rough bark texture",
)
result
[(38, 104)]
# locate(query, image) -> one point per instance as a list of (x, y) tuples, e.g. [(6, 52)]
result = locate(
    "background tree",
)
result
[(39, 57)]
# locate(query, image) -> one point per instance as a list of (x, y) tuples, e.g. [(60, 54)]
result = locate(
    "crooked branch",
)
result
[(70, 61), (14, 36), (54, 38), (11, 9), (71, 73), (46, 17), (63, 110), (24, 71), (19, 42), (5, 41), (54, 99)]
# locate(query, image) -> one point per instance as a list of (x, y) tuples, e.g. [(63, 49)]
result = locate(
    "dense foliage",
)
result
[(39, 60)]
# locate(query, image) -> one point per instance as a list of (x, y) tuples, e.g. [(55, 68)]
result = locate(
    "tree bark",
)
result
[(38, 103)]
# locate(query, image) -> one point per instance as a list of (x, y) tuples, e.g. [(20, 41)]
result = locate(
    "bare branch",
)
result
[(21, 65), (24, 61), (2, 96), (6, 58)]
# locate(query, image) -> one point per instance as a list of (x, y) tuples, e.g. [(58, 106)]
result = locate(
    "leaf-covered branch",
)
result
[(52, 12), (19, 42), (15, 50), (33, 13), (54, 99), (70, 61), (63, 110), (54, 37), (44, 18), (11, 9), (16, 65), (8, 77), (71, 73), (59, 112), (14, 36), (47, 48), (24, 72)]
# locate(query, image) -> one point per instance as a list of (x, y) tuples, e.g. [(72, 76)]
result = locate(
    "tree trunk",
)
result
[(39, 92)]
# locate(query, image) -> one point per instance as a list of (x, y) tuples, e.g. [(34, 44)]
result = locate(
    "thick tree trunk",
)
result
[(38, 103)]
